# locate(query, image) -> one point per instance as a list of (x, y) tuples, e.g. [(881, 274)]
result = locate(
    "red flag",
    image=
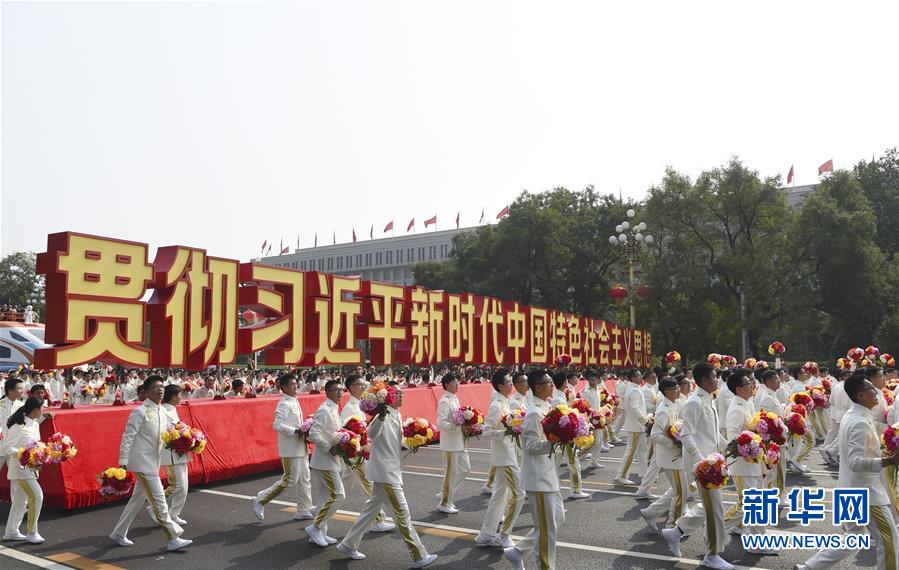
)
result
[(503, 213), (411, 224), (388, 227), (430, 221), (354, 235), (285, 250), (826, 167), (457, 218), (790, 175), (265, 243)]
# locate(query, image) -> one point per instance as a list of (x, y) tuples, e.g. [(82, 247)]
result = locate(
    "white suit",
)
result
[(452, 443), (293, 453)]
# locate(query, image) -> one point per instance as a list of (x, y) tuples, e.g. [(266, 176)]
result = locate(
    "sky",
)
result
[(222, 125)]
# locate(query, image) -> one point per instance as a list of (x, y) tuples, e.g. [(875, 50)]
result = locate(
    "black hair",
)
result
[(498, 378), (725, 374), (10, 385), (702, 370), (284, 380), (447, 378), (570, 375), (559, 380), (519, 374), (237, 385), (349, 380), (331, 383), (871, 371), (767, 375), (170, 392), (854, 385), (152, 379), (632, 372), (667, 382), (795, 371), (18, 417), (535, 376), (36, 387), (735, 379), (591, 373)]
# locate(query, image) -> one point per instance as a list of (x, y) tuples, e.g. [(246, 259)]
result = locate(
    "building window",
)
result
[(349, 262), (399, 256), (358, 260), (389, 257), (368, 260), (421, 254), (378, 258), (340, 263)]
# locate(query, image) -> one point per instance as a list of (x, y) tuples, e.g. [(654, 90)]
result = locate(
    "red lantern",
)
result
[(618, 293), (644, 291)]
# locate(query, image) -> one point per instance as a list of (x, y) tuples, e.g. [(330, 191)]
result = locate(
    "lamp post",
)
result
[(631, 238)]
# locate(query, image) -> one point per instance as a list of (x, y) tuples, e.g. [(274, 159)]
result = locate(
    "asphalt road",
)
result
[(604, 531)]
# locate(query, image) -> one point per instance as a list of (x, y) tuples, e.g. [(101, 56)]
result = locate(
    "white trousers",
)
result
[(457, 467), (883, 532), (632, 457), (573, 461), (357, 475), (148, 488), (800, 447), (617, 421), (296, 473), (507, 497), (733, 518), (329, 494), (831, 443), (27, 497), (548, 514), (652, 471), (709, 512), (176, 492), (673, 502), (392, 496)]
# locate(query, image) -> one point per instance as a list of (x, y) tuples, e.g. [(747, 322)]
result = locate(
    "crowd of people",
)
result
[(712, 405)]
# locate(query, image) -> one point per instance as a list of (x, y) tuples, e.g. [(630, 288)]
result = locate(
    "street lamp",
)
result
[(631, 238)]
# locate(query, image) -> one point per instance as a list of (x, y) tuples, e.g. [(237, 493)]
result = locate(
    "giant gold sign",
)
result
[(96, 310)]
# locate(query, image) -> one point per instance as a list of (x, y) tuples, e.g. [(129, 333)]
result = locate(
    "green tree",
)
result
[(18, 282)]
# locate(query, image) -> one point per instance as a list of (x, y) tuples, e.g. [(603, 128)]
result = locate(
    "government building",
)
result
[(387, 260)]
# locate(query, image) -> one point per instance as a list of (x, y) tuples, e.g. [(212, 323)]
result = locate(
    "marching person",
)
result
[(452, 443), (571, 459), (293, 453), (723, 399), (175, 464), (636, 419), (355, 385), (839, 405), (507, 494), (700, 438), (539, 479), (385, 469), (519, 399), (325, 464), (669, 457), (26, 495), (140, 453), (746, 475), (13, 388), (861, 462), (766, 401), (593, 395)]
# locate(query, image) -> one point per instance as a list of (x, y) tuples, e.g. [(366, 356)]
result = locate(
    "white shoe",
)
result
[(646, 496), (486, 540), (303, 516), (486, 490), (715, 561), (448, 510), (596, 465), (800, 567), (505, 541), (514, 556), (581, 495), (258, 509), (605, 448), (672, 539), (17, 536), (649, 522), (34, 538), (804, 468), (737, 531), (330, 540), (178, 544), (622, 481), (179, 520), (382, 526), (588, 456), (354, 554), (425, 562), (120, 540), (316, 536)]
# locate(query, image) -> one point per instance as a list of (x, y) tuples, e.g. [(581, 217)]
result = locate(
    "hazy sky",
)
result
[(221, 125)]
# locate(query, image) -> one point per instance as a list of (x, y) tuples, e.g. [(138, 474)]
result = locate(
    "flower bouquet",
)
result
[(349, 448), (418, 432), (872, 353), (747, 445), (855, 354), (772, 455), (890, 439), (378, 397), (714, 359), (583, 406), (770, 427), (34, 455), (513, 422), (115, 482), (711, 472), (563, 360), (60, 448), (810, 367), (675, 432), (614, 400), (826, 386), (672, 357), (470, 419), (87, 392), (804, 399), (887, 359), (599, 419), (796, 423), (889, 396), (776, 348), (565, 426), (750, 363), (819, 398), (182, 438)]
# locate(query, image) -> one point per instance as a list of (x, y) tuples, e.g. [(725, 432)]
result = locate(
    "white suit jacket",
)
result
[(450, 434), (538, 469), (739, 414), (324, 435), (668, 453), (502, 447), (860, 454), (142, 446), (288, 418), (386, 437)]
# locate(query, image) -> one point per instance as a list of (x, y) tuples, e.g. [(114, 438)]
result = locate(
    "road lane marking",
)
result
[(31, 559), (82, 563)]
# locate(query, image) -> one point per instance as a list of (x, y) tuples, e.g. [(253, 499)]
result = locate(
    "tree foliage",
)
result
[(18, 281)]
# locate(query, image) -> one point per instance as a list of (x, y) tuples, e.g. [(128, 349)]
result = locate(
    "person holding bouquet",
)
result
[(175, 463), (23, 426), (766, 400), (140, 453), (325, 464), (452, 443), (665, 435), (293, 453), (593, 395), (355, 385), (633, 406), (746, 474), (507, 497), (861, 463), (385, 468), (700, 438), (539, 479), (560, 384)]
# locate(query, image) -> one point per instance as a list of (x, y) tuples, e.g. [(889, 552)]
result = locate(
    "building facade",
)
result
[(387, 260)]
